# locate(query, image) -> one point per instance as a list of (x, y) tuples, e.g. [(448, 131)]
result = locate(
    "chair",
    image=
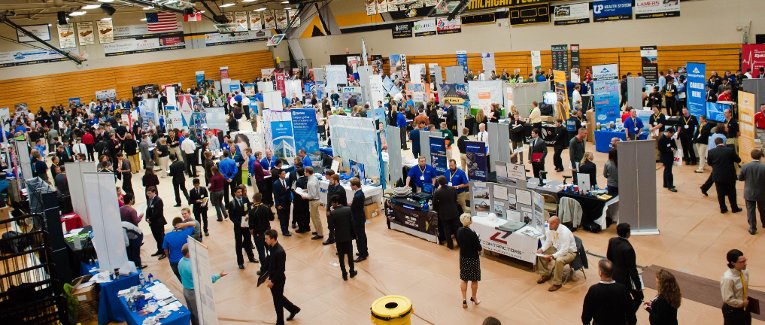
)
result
[(551, 204), (580, 261)]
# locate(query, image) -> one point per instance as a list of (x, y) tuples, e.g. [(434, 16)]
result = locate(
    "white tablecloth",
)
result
[(516, 245), (371, 193)]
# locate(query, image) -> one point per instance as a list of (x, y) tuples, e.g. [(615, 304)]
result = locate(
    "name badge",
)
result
[(422, 177), (685, 126), (655, 124), (636, 129), (668, 145), (450, 183)]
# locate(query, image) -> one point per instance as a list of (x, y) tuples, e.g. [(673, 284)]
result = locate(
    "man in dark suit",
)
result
[(561, 141), (622, 255), (723, 160), (359, 219), (155, 216), (334, 189), (445, 204), (238, 210), (667, 147), (199, 197), (538, 150), (260, 221), (282, 201), (341, 221), (277, 261), (177, 169), (753, 175)]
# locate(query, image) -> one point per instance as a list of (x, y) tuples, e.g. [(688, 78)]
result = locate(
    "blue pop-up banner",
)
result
[(696, 89)]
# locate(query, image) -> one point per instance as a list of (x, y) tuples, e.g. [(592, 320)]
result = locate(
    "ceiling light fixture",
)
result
[(249, 0), (260, 9), (143, 19), (77, 13), (148, 8), (91, 6), (106, 19), (225, 5), (287, 8), (106, 1), (285, 2)]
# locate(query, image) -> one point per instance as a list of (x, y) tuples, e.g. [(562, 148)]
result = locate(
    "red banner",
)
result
[(753, 57), (280, 83)]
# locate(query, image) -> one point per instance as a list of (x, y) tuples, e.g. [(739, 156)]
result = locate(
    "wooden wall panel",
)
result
[(55, 89)]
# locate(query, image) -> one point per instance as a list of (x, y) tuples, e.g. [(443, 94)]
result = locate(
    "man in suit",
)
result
[(667, 147), (341, 221), (179, 180), (753, 175), (538, 150), (622, 255), (334, 189), (199, 197), (723, 160), (282, 201), (277, 261), (260, 221), (238, 210), (156, 218), (359, 219), (445, 204), (561, 138)]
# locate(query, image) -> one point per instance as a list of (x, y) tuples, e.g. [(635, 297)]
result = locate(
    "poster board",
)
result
[(294, 88), (484, 93), (216, 118), (273, 100), (202, 275), (746, 110), (74, 172), (336, 75), (101, 202), (508, 202), (355, 138)]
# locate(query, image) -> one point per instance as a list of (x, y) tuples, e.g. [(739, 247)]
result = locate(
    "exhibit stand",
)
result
[(637, 186)]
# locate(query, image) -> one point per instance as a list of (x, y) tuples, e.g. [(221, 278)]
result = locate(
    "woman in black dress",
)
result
[(588, 167), (662, 310), (149, 179), (470, 263)]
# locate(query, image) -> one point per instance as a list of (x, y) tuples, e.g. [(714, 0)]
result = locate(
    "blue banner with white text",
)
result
[(696, 88), (438, 155), (304, 131), (283, 138), (606, 94), (477, 163), (607, 10)]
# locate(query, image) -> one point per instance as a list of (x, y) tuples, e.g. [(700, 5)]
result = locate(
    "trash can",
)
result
[(391, 310)]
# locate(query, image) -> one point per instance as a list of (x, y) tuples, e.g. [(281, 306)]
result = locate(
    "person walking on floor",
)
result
[(341, 221), (200, 199), (470, 261), (734, 286), (622, 255), (156, 218), (187, 280), (662, 310), (276, 278), (445, 204), (238, 210), (537, 152), (359, 220), (282, 201), (723, 160), (753, 175), (608, 301), (561, 138), (334, 189), (667, 147), (260, 217), (217, 182), (179, 180)]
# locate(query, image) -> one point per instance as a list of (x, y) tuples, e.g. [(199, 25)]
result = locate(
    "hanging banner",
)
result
[(487, 61), (224, 72), (425, 27), (477, 165), (105, 31), (561, 91), (268, 19), (462, 60), (534, 13), (281, 19), (403, 30), (753, 57), (304, 132), (66, 36), (256, 21), (605, 72), (575, 63), (646, 9), (371, 7), (536, 60), (649, 61), (241, 22), (489, 4), (560, 57), (746, 111), (438, 155), (696, 88), (85, 33), (445, 26), (571, 14), (279, 77), (608, 10), (292, 14), (382, 6)]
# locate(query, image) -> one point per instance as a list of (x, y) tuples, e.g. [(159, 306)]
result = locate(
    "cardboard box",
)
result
[(83, 291), (372, 210), (5, 213)]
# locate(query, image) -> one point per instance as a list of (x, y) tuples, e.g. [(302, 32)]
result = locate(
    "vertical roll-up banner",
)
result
[(476, 160), (438, 155), (696, 89), (649, 60), (575, 63), (224, 72), (560, 57), (536, 60), (462, 60), (200, 77)]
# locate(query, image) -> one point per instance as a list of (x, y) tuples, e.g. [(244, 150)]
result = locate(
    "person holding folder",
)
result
[(538, 150)]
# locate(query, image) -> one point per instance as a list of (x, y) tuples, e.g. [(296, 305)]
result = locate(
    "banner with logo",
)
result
[(575, 63), (536, 60), (371, 7), (561, 91), (489, 4), (283, 139), (106, 94), (696, 88), (200, 78), (105, 31), (571, 14), (304, 131), (224, 72), (649, 60), (606, 92), (753, 57), (66, 36), (607, 10), (477, 165), (269, 21), (746, 110), (216, 39), (403, 30), (438, 155), (85, 33), (416, 222), (488, 63), (462, 60), (16, 58), (256, 21), (425, 27), (445, 26), (41, 31), (131, 39), (279, 77), (559, 57), (646, 9), (605, 72)]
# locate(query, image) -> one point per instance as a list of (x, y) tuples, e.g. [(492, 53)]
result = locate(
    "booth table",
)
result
[(109, 303), (551, 186), (593, 209), (518, 245), (372, 194), (71, 221), (182, 316), (603, 138)]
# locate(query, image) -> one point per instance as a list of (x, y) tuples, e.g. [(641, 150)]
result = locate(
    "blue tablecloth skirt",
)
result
[(603, 139)]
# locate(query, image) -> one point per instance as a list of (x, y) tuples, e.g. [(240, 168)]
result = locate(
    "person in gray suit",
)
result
[(538, 152), (143, 148), (753, 175)]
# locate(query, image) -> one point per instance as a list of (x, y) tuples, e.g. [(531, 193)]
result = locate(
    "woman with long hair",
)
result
[(470, 262), (662, 310), (611, 173), (586, 166)]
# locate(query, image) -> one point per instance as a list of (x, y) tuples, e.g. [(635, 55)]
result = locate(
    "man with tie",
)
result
[(538, 150), (179, 180), (260, 221), (334, 189), (482, 135), (753, 175), (282, 201), (277, 261), (359, 220), (633, 126), (199, 198), (723, 160), (238, 210), (340, 220), (156, 218)]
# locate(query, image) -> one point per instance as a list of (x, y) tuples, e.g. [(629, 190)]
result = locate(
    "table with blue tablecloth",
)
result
[(603, 138), (182, 316), (109, 309)]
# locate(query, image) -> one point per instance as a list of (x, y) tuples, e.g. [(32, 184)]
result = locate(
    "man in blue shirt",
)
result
[(422, 176), (414, 135), (633, 126), (268, 161), (228, 169), (174, 241), (306, 159), (457, 178), (401, 124), (187, 280), (409, 102)]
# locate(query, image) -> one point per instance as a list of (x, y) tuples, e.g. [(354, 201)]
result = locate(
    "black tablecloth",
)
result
[(592, 207)]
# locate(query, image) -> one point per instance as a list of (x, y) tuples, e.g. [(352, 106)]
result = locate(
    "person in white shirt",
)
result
[(482, 75), (79, 147), (482, 135), (535, 117), (213, 144), (576, 96), (734, 287), (189, 147), (560, 249), (313, 203)]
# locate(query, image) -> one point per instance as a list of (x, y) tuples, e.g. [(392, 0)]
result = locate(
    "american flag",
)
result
[(161, 22)]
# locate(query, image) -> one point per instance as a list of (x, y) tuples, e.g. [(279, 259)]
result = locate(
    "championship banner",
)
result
[(371, 7), (438, 155), (293, 17), (269, 20), (489, 4), (241, 22), (571, 14), (696, 88), (66, 36), (281, 19), (304, 132), (608, 10), (559, 57), (256, 21), (462, 60), (382, 6), (445, 26), (85, 33), (530, 14), (403, 30), (649, 61), (105, 31), (753, 57), (477, 164), (646, 9), (425, 27), (562, 93), (536, 60), (575, 63)]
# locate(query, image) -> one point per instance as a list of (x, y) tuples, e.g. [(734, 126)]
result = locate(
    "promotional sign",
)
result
[(85, 33), (649, 61), (606, 93), (304, 132), (571, 14), (224, 72), (487, 60), (445, 26), (16, 58), (200, 78), (41, 31), (562, 93), (575, 63), (283, 139), (530, 14), (438, 155), (753, 57), (417, 73), (746, 111), (462, 60), (646, 9), (489, 4), (67, 38), (106, 94), (403, 30), (425, 27), (696, 88), (536, 60), (456, 94), (105, 31), (216, 39), (279, 77), (607, 10), (422, 224), (477, 165), (605, 72), (559, 57), (716, 111)]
